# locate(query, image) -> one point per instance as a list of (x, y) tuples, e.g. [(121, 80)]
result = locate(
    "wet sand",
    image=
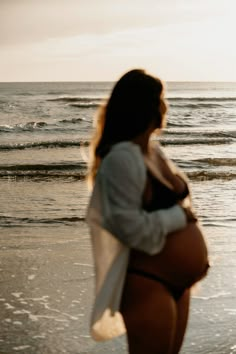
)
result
[(47, 291)]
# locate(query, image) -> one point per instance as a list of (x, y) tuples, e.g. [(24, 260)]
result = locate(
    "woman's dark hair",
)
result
[(135, 102)]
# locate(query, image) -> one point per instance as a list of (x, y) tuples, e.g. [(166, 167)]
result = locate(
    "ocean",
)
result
[(46, 269)]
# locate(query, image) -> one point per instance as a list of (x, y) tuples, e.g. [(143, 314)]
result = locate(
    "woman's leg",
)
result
[(181, 322), (150, 315)]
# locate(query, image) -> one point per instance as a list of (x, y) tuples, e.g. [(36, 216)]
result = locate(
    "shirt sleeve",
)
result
[(121, 183)]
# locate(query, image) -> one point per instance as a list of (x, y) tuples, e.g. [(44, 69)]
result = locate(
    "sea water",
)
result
[(46, 269)]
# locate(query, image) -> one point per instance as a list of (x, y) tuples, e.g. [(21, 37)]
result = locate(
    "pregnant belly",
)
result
[(182, 262)]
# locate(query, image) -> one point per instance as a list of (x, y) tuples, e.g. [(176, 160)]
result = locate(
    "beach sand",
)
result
[(47, 292)]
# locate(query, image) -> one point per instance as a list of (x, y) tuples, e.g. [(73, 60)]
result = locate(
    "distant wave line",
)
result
[(181, 125), (86, 101), (43, 145), (73, 168), (24, 94), (68, 144), (216, 161), (202, 99), (44, 167), (44, 175), (197, 141), (85, 105), (16, 221), (72, 120), (198, 132), (205, 140), (171, 98), (210, 175), (196, 105), (49, 172), (79, 99)]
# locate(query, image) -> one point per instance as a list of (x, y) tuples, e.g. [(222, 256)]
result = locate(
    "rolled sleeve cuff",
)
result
[(174, 218)]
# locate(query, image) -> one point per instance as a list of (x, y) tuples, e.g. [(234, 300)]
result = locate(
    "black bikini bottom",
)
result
[(175, 292)]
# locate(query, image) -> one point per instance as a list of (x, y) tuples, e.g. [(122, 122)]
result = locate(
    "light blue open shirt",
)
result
[(117, 222)]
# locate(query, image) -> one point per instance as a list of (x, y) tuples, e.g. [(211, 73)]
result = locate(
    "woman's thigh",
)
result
[(150, 316), (182, 306)]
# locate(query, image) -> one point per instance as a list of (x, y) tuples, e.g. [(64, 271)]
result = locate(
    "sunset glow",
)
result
[(79, 40)]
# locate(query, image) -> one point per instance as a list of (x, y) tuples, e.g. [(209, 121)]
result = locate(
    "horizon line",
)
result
[(113, 81)]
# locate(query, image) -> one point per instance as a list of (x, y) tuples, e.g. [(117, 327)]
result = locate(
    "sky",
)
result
[(98, 40)]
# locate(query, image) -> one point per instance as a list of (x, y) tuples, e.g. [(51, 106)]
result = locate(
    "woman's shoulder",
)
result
[(122, 153), (123, 157), (125, 147)]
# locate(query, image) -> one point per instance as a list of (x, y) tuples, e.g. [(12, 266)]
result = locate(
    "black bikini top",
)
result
[(162, 197)]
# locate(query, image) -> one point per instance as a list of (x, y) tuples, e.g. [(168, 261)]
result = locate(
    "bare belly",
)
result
[(182, 262)]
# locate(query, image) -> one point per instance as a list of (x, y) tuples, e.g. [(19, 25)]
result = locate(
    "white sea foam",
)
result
[(231, 311), (8, 320), (17, 323), (84, 265), (9, 306), (21, 312), (21, 347), (39, 336), (214, 296), (17, 294)]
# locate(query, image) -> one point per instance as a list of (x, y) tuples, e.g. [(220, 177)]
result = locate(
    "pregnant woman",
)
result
[(147, 244)]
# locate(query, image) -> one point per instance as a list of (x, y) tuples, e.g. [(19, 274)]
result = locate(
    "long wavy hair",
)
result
[(135, 102)]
